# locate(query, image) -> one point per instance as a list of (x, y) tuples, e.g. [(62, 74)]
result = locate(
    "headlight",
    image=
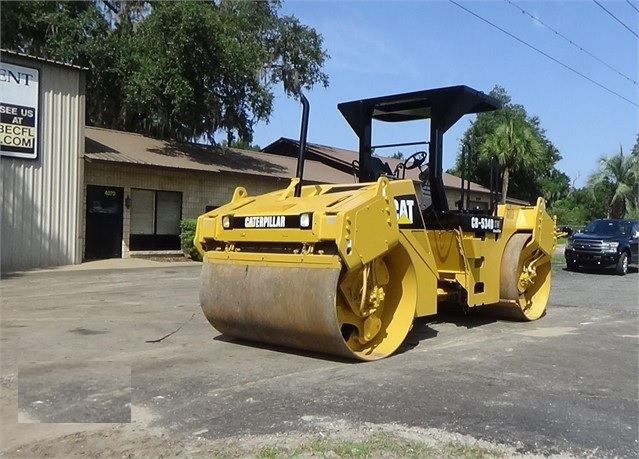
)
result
[(226, 222), (610, 246), (305, 220)]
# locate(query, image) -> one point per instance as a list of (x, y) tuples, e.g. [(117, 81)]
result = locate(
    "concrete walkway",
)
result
[(117, 263), (129, 263)]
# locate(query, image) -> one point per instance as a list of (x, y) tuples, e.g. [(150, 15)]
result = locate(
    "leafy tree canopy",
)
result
[(583, 205), (612, 191), (180, 70), (240, 145), (622, 173), (529, 167)]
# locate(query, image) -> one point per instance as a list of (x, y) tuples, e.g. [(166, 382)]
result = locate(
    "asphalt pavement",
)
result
[(86, 346)]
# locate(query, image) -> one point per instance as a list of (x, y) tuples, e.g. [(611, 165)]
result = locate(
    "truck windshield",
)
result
[(604, 227)]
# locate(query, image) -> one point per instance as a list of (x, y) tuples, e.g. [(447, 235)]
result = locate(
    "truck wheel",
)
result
[(622, 265)]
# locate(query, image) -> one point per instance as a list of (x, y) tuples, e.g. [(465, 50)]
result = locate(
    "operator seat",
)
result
[(377, 168)]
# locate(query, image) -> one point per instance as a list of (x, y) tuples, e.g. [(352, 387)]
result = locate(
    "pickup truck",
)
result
[(604, 243)]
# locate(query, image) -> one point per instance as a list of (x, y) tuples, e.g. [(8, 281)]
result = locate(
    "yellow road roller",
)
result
[(344, 269)]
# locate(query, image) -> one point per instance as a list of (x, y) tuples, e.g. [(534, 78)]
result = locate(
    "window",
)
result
[(142, 212), (155, 220), (168, 212)]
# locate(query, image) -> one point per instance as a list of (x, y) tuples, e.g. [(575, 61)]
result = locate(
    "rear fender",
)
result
[(533, 219)]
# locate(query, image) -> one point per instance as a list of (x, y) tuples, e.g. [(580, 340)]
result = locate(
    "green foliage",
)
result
[(187, 233), (295, 55), (583, 205), (68, 31), (179, 70), (241, 144), (611, 191), (514, 145), (271, 452), (398, 155), (568, 213), (622, 174), (389, 445), (530, 162), (554, 185), (380, 444), (60, 30)]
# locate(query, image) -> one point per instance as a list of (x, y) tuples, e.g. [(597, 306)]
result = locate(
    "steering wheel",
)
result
[(415, 160)]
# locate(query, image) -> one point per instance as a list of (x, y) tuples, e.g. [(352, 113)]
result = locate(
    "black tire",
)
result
[(622, 265), (572, 266)]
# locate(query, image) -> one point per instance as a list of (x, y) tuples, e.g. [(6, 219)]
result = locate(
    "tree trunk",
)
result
[(504, 185), (617, 209)]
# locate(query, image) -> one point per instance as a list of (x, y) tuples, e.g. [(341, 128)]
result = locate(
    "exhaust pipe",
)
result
[(306, 108)]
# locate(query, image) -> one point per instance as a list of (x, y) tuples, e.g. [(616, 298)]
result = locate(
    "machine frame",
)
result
[(344, 269)]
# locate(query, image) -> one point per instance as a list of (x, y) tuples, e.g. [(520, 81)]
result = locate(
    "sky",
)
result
[(388, 47)]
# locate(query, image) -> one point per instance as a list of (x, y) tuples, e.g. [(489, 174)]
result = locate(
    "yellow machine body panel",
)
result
[(360, 221), (274, 276), (472, 260), (345, 269)]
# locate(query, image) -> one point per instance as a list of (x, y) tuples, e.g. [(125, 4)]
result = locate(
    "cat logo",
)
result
[(404, 208), (265, 222)]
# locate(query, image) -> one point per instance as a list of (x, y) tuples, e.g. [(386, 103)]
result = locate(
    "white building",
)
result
[(42, 143)]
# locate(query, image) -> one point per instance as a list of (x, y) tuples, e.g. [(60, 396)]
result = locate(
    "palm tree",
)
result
[(623, 173), (515, 146)]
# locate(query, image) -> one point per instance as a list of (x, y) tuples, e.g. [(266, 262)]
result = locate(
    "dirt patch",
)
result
[(334, 439)]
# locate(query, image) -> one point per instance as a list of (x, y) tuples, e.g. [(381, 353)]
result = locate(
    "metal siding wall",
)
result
[(40, 199)]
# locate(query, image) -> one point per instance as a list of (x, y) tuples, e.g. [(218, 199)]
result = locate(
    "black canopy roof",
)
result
[(443, 105)]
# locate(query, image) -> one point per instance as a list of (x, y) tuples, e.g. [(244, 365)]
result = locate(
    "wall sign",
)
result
[(19, 102)]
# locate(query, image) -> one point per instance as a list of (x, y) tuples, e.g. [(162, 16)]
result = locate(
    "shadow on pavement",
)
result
[(422, 330), (282, 349)]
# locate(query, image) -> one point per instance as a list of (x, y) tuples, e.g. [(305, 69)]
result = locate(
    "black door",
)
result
[(104, 222)]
